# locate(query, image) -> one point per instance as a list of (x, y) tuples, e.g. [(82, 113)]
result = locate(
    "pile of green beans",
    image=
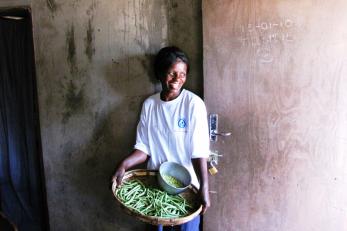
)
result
[(151, 201)]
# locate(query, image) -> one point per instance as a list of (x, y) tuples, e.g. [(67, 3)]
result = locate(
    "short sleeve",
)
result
[(142, 133), (200, 143)]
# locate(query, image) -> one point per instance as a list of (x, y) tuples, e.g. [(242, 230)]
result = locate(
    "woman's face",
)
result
[(175, 78)]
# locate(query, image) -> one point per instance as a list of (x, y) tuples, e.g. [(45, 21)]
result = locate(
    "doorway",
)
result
[(22, 191)]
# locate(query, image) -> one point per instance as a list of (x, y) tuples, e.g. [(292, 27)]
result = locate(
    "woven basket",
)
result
[(149, 178)]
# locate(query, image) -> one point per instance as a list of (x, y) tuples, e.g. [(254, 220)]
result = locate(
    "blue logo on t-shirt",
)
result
[(182, 123)]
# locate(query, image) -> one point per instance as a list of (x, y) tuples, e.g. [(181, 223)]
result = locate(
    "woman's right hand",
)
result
[(118, 176), (136, 157)]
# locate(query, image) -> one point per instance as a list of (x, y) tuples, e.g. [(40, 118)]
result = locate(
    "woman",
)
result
[(173, 127)]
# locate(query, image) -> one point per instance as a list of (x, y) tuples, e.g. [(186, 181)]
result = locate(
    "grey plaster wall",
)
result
[(93, 61)]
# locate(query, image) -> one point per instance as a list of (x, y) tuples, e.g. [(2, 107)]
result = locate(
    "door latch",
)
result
[(213, 162), (213, 122)]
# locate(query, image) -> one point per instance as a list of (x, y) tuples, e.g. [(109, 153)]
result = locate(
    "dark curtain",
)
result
[(21, 181)]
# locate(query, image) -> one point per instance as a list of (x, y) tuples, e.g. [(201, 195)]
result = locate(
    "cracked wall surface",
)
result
[(94, 69)]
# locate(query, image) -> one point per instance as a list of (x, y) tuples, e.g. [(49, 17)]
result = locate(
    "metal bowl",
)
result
[(177, 171)]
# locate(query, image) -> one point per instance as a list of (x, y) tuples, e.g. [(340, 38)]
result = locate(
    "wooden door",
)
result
[(276, 73)]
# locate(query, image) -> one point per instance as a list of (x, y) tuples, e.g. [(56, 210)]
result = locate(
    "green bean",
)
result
[(152, 201)]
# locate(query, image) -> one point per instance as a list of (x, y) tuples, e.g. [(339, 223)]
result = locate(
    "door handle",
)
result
[(213, 123), (221, 133)]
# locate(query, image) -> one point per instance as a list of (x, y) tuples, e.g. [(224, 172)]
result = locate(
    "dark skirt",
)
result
[(193, 225)]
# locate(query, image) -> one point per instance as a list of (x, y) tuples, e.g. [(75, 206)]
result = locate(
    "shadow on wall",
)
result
[(132, 79)]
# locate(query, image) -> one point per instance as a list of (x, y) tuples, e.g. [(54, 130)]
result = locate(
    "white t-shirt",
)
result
[(175, 130)]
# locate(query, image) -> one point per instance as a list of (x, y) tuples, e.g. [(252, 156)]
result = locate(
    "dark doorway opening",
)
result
[(22, 189)]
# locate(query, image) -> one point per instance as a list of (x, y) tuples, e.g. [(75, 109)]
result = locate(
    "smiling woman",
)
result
[(173, 127), (173, 81)]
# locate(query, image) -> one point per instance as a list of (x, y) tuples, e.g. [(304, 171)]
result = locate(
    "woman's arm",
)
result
[(200, 167), (135, 158)]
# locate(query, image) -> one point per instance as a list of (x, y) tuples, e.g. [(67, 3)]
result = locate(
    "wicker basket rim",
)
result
[(151, 219)]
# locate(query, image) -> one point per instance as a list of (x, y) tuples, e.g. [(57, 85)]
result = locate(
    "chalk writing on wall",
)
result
[(264, 36)]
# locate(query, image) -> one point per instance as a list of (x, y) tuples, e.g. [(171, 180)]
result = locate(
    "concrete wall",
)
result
[(94, 70)]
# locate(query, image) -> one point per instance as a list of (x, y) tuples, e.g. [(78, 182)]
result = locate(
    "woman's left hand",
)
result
[(205, 200)]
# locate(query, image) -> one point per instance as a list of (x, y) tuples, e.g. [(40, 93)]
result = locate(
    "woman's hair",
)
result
[(166, 57)]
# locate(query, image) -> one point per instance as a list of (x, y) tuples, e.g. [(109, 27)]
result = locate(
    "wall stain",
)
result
[(91, 8), (71, 49), (75, 4), (74, 100), (147, 63), (174, 4), (52, 5), (89, 41)]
